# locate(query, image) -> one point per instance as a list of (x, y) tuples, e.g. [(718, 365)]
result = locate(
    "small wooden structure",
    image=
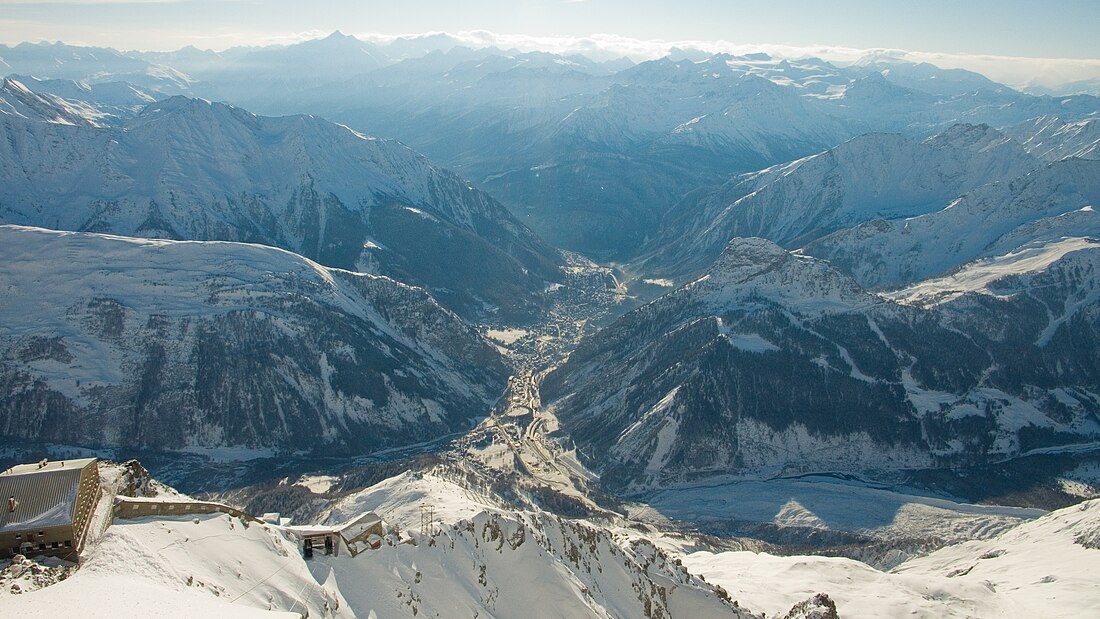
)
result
[(48, 507)]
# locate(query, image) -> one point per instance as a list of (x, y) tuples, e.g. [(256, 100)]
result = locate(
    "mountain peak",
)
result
[(13, 85), (746, 257), (339, 36), (875, 86), (16, 99), (755, 268), (971, 137), (182, 104)]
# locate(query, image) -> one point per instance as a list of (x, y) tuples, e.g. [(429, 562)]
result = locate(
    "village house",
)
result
[(47, 507)]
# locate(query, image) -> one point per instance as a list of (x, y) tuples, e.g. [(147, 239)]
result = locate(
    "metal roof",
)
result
[(45, 496)]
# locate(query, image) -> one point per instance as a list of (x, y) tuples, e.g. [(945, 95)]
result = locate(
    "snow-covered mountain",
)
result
[(1050, 139), (110, 102), (616, 152), (588, 154), (926, 77), (1041, 568), (525, 564), (873, 176), (17, 100), (493, 562), (773, 360), (170, 345), (189, 169), (281, 72), (97, 64), (617, 159), (1044, 205)]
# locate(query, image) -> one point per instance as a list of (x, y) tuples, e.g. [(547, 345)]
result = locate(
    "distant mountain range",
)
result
[(880, 265), (591, 154), (873, 176), (187, 169)]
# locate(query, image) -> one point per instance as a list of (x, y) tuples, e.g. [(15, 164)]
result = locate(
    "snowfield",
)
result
[(521, 565), (209, 565), (478, 561), (772, 585), (472, 562), (978, 276), (1043, 568), (398, 500), (836, 505)]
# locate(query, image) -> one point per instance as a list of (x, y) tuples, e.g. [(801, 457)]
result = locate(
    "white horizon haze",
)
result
[(1010, 41)]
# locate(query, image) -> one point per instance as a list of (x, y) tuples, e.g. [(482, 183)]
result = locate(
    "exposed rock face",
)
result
[(817, 607)]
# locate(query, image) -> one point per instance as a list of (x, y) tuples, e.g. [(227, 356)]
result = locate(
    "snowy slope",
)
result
[(170, 345), (101, 102), (926, 77), (522, 565), (982, 276), (189, 169), (486, 562), (1050, 139), (16, 99), (210, 565), (1044, 205), (772, 584), (96, 64), (400, 498), (1042, 568), (869, 177), (661, 98)]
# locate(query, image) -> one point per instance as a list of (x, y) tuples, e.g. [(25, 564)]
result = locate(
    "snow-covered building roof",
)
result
[(359, 526), (45, 495)]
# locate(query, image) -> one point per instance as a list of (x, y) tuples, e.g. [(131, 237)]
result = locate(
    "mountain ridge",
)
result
[(189, 169)]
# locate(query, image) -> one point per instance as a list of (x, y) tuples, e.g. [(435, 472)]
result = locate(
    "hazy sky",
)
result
[(1012, 28), (1054, 28)]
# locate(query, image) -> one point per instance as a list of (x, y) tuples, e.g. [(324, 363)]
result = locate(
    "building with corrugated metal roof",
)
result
[(47, 507)]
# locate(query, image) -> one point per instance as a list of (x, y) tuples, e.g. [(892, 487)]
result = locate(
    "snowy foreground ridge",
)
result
[(1043, 568), (498, 563)]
